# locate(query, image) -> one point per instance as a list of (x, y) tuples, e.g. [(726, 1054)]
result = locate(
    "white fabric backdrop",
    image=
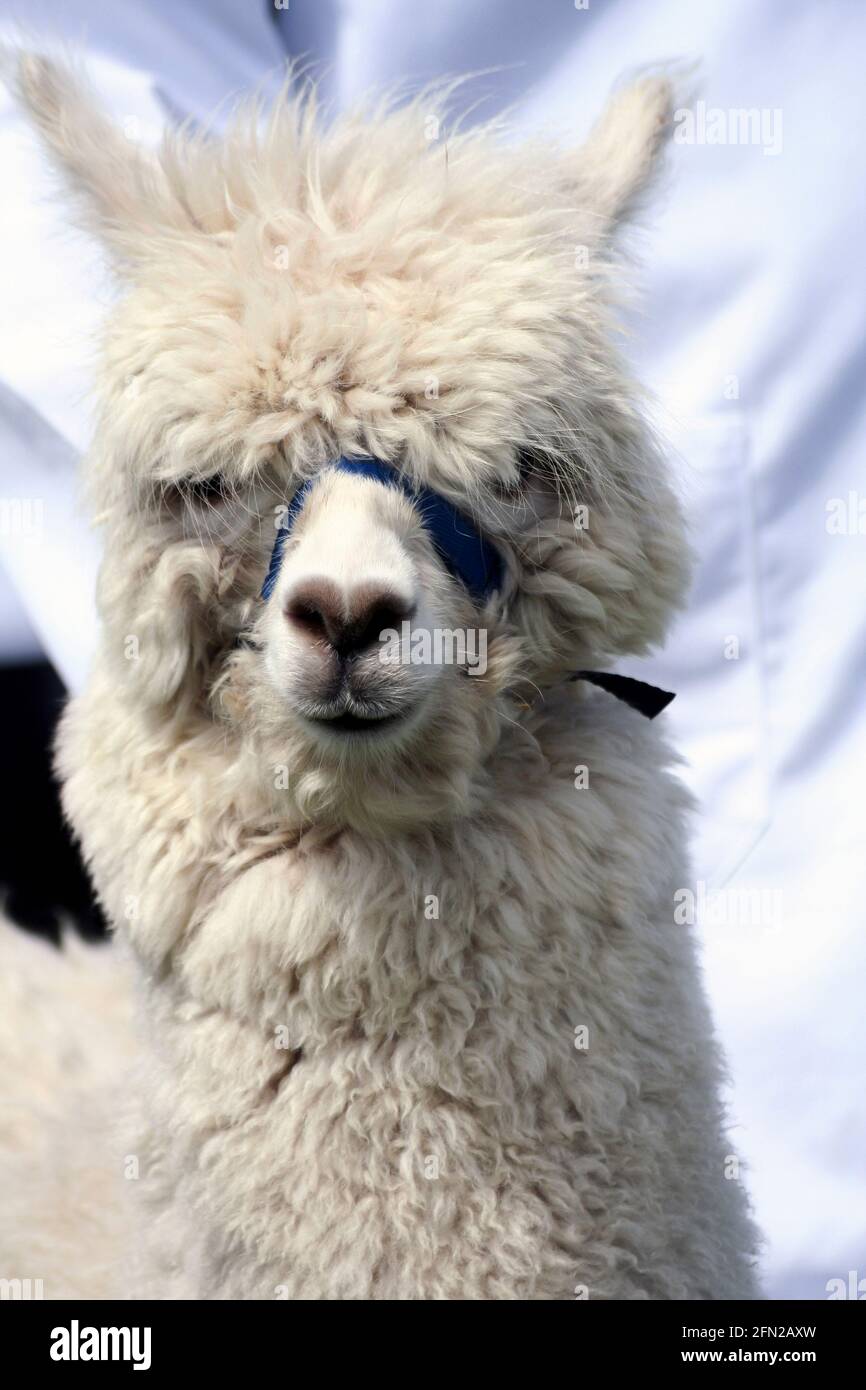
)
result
[(751, 333)]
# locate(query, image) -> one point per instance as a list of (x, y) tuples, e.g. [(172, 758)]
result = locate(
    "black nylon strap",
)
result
[(646, 699)]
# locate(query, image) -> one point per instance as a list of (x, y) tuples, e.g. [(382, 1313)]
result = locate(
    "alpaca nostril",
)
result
[(305, 615), (314, 609), (384, 613), (349, 623)]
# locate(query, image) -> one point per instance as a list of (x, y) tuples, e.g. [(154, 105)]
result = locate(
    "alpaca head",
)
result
[(293, 293)]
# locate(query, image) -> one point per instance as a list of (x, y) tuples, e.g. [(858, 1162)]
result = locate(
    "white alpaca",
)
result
[(414, 1018)]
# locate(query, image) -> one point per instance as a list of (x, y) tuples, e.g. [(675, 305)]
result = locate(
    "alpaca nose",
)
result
[(348, 622)]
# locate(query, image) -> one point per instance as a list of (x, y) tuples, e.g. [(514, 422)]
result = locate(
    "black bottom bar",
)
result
[(278, 1338)]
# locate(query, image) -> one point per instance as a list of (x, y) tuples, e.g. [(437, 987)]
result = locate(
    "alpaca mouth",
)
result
[(353, 722)]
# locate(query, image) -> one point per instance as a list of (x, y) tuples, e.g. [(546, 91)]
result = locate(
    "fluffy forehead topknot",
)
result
[(363, 288), (384, 282)]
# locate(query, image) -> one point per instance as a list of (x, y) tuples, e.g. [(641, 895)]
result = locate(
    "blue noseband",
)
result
[(466, 553)]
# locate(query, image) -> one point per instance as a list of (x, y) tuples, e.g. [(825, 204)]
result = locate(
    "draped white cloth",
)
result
[(751, 334)]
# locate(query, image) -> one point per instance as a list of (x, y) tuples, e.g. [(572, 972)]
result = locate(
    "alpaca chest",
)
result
[(346, 1169), (346, 1083)]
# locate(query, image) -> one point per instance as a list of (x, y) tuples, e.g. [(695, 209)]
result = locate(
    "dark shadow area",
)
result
[(42, 879)]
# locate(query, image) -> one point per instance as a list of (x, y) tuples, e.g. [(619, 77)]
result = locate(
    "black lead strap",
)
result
[(646, 699)]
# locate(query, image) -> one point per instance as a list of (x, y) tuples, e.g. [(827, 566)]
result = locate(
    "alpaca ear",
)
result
[(121, 189), (616, 164)]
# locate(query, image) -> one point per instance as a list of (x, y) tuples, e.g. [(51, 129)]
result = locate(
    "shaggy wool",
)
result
[(413, 1017)]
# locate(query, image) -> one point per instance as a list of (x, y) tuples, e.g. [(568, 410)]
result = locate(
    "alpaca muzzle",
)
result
[(469, 556)]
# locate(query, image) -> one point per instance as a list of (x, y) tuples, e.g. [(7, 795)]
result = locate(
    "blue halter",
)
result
[(469, 557)]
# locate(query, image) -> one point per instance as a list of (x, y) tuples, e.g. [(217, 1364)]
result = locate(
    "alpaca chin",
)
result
[(432, 772)]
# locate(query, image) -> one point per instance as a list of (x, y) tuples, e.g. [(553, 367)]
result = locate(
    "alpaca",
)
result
[(413, 1018)]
